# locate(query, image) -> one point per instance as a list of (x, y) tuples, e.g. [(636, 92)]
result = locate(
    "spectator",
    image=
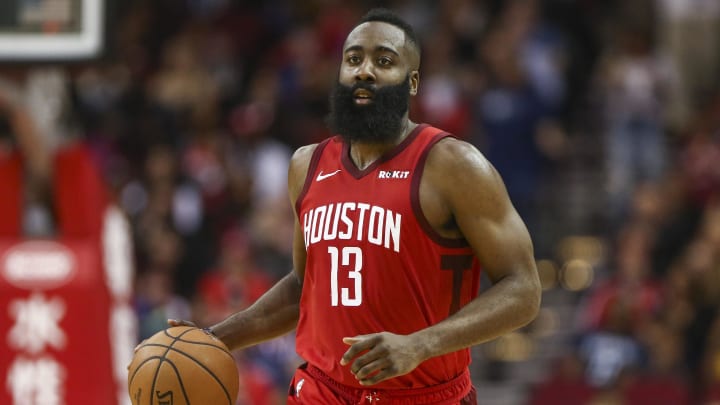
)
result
[(634, 83)]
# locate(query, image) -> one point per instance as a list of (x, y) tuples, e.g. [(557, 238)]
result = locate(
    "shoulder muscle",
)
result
[(297, 172), (474, 195), (460, 173)]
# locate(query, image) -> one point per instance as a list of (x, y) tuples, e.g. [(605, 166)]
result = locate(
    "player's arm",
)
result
[(276, 312), (480, 207), (465, 197)]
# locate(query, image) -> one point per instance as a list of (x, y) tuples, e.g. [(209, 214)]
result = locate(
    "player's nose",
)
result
[(364, 72)]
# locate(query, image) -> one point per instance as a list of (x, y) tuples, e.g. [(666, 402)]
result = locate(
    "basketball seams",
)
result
[(162, 352), (155, 376), (139, 366), (179, 338), (210, 372), (160, 363), (170, 347), (175, 350), (187, 341), (164, 355), (180, 381)]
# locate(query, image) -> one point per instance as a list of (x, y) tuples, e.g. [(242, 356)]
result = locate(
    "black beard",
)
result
[(378, 122)]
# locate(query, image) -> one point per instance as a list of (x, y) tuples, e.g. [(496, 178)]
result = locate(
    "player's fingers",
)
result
[(359, 338), (362, 360), (371, 368), (358, 344), (386, 371), (180, 322)]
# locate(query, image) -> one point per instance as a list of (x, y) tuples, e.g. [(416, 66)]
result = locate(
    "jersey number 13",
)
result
[(350, 256)]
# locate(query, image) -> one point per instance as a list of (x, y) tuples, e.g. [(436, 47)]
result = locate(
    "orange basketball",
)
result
[(183, 366)]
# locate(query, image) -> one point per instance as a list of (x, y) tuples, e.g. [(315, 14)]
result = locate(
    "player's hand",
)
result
[(180, 322), (170, 322), (380, 356)]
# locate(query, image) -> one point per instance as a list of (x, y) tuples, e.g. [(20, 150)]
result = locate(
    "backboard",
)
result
[(46, 30)]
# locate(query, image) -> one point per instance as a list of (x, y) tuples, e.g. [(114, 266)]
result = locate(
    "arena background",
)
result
[(603, 117)]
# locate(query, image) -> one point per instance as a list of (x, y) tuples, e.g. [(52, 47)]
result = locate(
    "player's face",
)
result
[(371, 99), (376, 53)]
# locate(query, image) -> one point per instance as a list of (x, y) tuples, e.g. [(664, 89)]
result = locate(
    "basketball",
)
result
[(183, 366)]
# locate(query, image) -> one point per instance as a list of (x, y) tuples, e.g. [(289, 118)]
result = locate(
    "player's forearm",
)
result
[(510, 304), (272, 315)]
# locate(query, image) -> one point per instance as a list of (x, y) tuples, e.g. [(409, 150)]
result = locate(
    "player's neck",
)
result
[(363, 154)]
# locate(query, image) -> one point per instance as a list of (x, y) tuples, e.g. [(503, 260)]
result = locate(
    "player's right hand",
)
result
[(180, 322), (170, 322)]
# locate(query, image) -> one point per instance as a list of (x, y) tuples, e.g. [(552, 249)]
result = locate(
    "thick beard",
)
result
[(378, 122)]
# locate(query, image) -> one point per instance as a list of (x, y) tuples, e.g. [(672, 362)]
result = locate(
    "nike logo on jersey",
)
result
[(393, 174), (321, 176)]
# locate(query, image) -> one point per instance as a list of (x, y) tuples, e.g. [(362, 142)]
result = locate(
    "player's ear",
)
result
[(414, 78)]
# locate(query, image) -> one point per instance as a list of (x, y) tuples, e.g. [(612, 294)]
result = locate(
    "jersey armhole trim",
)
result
[(415, 198), (314, 161)]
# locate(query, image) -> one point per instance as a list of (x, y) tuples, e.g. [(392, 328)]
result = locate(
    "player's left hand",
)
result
[(380, 356)]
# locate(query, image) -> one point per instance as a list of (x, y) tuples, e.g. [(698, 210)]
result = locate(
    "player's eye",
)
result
[(384, 61), (353, 59)]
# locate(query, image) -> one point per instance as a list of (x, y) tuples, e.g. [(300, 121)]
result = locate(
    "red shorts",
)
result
[(312, 386)]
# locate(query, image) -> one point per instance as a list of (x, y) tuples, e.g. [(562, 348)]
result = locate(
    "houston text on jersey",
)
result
[(353, 220)]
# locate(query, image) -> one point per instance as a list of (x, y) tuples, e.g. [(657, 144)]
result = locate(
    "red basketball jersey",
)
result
[(373, 261)]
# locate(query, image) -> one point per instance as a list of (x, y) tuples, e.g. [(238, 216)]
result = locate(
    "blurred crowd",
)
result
[(195, 107)]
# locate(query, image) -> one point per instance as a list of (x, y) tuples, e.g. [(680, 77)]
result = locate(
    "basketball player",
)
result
[(394, 221)]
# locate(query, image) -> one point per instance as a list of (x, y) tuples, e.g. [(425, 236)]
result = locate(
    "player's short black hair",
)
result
[(388, 16)]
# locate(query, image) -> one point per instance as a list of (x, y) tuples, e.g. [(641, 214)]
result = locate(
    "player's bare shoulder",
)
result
[(459, 161), (463, 177), (299, 164), (300, 159)]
